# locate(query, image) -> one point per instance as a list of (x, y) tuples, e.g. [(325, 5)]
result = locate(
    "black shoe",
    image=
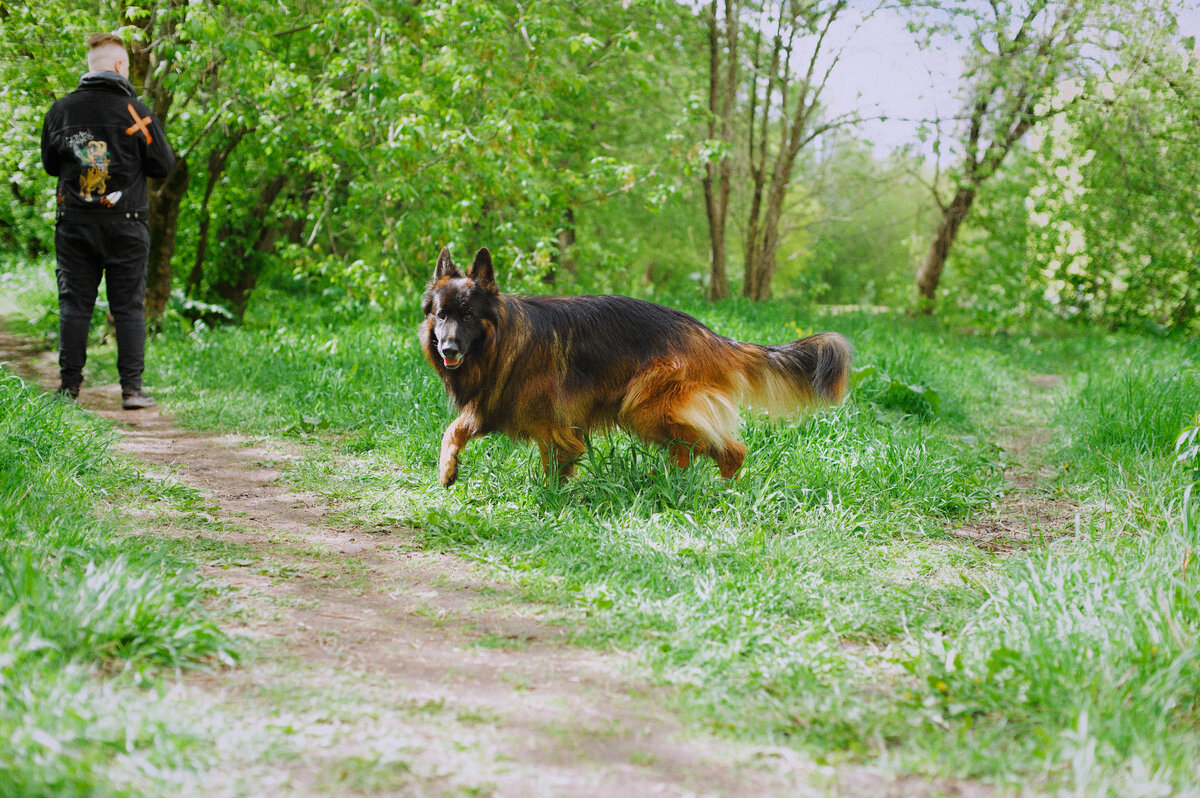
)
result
[(135, 399), (68, 392)]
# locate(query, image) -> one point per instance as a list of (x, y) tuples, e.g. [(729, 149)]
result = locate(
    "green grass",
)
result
[(1127, 414), (29, 297), (812, 601), (821, 600), (86, 613), (1086, 655)]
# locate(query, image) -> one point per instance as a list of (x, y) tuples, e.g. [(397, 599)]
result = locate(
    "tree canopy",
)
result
[(590, 145)]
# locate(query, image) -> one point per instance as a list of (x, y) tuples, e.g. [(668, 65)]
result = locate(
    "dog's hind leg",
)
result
[(560, 451), (729, 460), (681, 452), (689, 420), (685, 445), (685, 442)]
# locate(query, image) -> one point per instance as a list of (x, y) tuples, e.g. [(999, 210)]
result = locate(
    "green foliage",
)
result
[(1093, 222), (991, 280), (1095, 635), (890, 392), (1187, 449), (855, 238), (362, 139), (337, 149), (33, 79), (1087, 652), (1112, 236), (29, 298)]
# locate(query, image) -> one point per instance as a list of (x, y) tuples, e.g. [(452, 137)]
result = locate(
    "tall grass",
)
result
[(1087, 654), (78, 600), (1130, 411)]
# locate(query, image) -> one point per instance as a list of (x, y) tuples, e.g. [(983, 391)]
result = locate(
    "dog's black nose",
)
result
[(451, 356)]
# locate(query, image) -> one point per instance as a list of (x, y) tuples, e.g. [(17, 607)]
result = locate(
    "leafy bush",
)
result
[(1095, 222)]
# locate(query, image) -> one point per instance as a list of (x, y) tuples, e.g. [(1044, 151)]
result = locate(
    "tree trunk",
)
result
[(795, 130), (718, 177), (765, 217), (759, 140), (566, 250), (217, 160), (930, 273), (238, 279), (753, 231), (761, 250), (717, 208), (566, 242), (166, 195)]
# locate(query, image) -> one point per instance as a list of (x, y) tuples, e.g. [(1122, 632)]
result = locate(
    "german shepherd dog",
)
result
[(553, 368)]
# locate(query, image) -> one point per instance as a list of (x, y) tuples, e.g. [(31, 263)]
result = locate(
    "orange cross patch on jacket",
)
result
[(141, 123)]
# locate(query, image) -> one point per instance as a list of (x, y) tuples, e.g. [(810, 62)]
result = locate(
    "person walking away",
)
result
[(102, 142)]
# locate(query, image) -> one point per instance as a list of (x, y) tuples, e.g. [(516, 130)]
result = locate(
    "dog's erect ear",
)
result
[(481, 270), (445, 267)]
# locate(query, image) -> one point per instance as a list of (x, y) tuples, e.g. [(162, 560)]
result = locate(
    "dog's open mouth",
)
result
[(452, 362)]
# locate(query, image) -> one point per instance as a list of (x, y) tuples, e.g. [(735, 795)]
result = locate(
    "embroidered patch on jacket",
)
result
[(93, 178)]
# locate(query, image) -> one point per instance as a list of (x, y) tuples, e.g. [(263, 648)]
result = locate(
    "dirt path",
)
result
[(1027, 515), (377, 668)]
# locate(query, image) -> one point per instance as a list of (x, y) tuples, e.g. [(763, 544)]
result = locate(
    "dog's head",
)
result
[(460, 309)]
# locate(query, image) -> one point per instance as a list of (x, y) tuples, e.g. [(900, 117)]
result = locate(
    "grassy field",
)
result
[(90, 614), (834, 598)]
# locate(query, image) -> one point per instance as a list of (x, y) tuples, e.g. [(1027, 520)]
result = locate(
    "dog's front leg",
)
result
[(460, 431)]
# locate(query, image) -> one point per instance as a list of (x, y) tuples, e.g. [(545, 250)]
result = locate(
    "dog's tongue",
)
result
[(451, 362)]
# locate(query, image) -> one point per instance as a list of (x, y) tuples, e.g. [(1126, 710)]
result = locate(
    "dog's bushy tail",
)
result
[(784, 378)]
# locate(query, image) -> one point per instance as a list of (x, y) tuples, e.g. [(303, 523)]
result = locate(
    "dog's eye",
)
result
[(441, 314)]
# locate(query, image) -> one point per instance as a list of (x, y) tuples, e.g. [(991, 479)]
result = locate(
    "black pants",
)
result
[(119, 251)]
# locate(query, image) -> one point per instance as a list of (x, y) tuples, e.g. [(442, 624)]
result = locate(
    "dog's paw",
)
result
[(448, 473)]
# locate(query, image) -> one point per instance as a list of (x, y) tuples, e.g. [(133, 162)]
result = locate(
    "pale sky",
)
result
[(882, 72)]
